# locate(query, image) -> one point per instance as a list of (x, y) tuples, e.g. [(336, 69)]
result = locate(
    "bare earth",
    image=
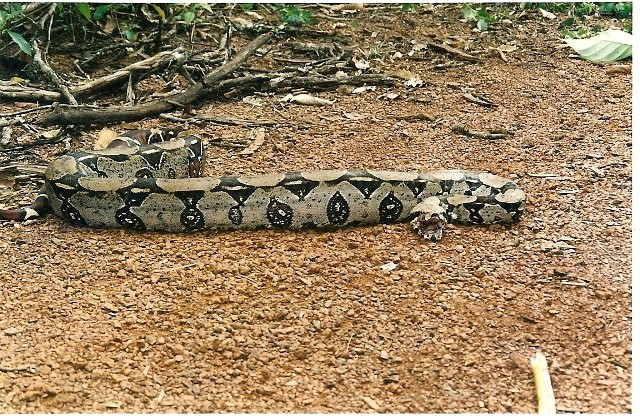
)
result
[(308, 321)]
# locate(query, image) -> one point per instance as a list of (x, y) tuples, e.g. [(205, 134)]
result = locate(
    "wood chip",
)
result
[(258, 136), (371, 403)]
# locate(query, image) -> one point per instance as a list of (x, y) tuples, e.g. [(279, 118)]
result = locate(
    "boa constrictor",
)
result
[(148, 182)]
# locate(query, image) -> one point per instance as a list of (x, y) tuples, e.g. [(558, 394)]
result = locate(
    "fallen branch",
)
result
[(217, 119), (154, 63), (480, 101), (157, 62), (460, 128), (443, 46), (16, 369), (50, 73), (12, 92), (190, 95)]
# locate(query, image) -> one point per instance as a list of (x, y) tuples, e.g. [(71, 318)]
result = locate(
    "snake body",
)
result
[(158, 186)]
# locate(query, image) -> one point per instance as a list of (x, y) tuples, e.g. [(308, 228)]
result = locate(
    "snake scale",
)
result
[(152, 180)]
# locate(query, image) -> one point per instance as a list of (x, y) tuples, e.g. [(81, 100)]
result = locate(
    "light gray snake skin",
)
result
[(158, 187)]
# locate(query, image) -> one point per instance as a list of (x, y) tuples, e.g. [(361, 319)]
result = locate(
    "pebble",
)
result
[(12, 331)]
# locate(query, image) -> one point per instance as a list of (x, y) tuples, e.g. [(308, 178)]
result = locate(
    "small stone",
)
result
[(110, 307), (266, 390), (291, 383), (31, 395), (111, 405), (12, 331), (300, 354), (384, 355)]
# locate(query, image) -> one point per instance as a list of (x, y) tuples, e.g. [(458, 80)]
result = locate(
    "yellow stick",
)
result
[(544, 391)]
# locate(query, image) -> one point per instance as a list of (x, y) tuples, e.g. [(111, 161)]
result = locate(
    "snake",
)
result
[(152, 180)]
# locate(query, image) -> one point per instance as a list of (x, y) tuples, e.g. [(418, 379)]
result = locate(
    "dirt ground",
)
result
[(308, 321)]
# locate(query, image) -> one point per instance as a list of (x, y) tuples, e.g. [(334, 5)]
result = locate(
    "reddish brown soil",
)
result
[(307, 321)]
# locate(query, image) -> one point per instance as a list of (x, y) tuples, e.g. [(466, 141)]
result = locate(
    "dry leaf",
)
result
[(305, 99), (241, 23), (547, 14), (110, 26), (355, 116), (507, 48), (348, 8), (51, 133), (389, 96), (257, 138), (253, 100), (361, 63), (254, 14), (414, 81), (360, 90), (105, 137), (618, 69), (388, 267)]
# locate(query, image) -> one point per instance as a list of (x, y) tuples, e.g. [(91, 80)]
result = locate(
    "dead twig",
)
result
[(27, 111), (444, 47), (15, 369), (50, 73), (159, 61), (461, 128), (483, 102), (192, 94)]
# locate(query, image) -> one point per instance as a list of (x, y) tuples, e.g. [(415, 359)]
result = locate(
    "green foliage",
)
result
[(83, 8), (295, 16), (618, 10), (247, 6), (479, 15), (100, 11), (9, 12), (410, 6), (573, 25)]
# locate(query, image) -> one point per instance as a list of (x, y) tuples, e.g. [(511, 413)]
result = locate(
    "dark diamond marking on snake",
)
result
[(338, 209), (124, 216), (390, 209), (235, 189), (416, 187), (366, 186), (145, 173), (128, 219), (69, 212), (191, 217), (301, 188), (279, 214), (235, 215)]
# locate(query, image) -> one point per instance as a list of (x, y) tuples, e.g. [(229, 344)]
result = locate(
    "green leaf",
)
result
[(469, 13), (608, 46), (101, 11), (188, 17), (130, 34), (83, 8), (482, 25), (159, 11), (22, 43)]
